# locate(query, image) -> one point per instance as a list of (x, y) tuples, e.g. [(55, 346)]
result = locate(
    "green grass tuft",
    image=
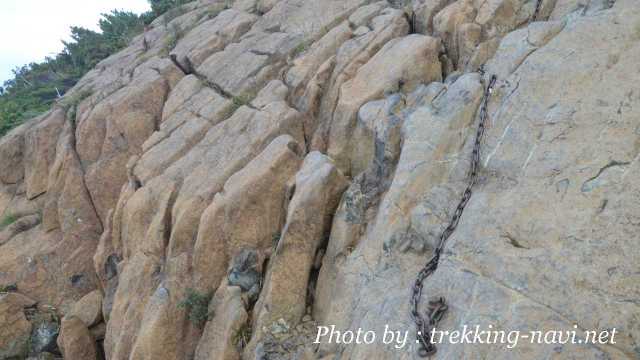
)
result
[(8, 288), (170, 42), (301, 48), (7, 220), (242, 336), (197, 306)]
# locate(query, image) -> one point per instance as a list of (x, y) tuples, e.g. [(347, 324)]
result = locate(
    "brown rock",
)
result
[(12, 154), (19, 300), (225, 331), (88, 309), (98, 331), (75, 340), (40, 147), (212, 36), (318, 187), (254, 198), (118, 126), (22, 224), (349, 58), (15, 330), (401, 64)]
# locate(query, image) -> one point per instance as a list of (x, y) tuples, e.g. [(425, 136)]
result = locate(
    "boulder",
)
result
[(75, 340), (15, 329), (212, 36), (318, 187), (227, 329), (255, 199), (401, 64), (352, 54), (44, 336), (40, 146), (88, 309), (21, 224)]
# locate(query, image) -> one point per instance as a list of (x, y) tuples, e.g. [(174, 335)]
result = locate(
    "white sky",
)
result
[(33, 29)]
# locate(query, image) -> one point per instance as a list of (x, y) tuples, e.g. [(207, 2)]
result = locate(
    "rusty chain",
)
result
[(437, 308)]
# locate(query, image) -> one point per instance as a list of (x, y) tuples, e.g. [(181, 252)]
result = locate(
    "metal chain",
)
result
[(438, 307)]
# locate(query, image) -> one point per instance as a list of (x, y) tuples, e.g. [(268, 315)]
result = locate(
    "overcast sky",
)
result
[(33, 29)]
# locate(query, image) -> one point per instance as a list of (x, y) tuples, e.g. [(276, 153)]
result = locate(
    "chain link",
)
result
[(437, 308)]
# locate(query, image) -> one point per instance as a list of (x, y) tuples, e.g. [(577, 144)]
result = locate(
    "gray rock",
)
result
[(44, 337), (243, 271)]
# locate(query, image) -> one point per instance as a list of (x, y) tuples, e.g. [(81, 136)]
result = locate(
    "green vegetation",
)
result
[(8, 288), (159, 7), (7, 220), (301, 48), (237, 102), (197, 305), (71, 104), (175, 33), (242, 100), (242, 336), (36, 86)]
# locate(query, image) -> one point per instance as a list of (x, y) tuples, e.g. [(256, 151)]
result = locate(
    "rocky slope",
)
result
[(246, 170)]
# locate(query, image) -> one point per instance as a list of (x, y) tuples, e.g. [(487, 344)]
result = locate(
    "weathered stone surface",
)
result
[(255, 198), (225, 149), (400, 64), (518, 45), (44, 335), (18, 299), (183, 127), (226, 329), (318, 187), (12, 155), (307, 63), (21, 224), (40, 145), (212, 36), (116, 129), (15, 330), (548, 160), (99, 331), (376, 134), (75, 340), (43, 356), (88, 309), (336, 71), (244, 67)]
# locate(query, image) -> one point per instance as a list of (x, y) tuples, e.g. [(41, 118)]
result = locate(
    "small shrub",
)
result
[(175, 33), (301, 48), (242, 100), (237, 102), (215, 11), (70, 103), (173, 13), (75, 99), (7, 220), (275, 239), (159, 7), (8, 288), (197, 305), (242, 336)]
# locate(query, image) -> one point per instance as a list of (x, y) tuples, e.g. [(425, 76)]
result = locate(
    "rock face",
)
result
[(293, 163), (76, 341), (15, 329), (88, 309)]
